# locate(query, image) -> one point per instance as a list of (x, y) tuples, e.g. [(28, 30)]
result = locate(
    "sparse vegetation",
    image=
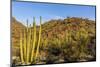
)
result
[(56, 41)]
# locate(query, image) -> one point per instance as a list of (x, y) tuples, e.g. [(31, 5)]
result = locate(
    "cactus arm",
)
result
[(37, 51), (21, 48), (27, 40), (28, 47), (28, 44), (34, 38), (25, 44)]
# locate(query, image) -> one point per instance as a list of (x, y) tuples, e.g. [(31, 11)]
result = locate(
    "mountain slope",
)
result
[(70, 39), (59, 27), (16, 28)]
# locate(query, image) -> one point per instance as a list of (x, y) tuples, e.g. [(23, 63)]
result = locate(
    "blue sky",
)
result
[(26, 10)]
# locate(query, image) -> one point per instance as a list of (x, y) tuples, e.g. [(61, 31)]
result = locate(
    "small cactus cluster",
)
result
[(29, 49)]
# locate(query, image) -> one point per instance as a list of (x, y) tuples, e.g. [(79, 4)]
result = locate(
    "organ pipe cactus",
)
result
[(33, 38), (28, 41)]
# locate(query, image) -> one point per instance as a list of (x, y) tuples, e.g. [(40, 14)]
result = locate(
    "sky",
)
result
[(27, 10)]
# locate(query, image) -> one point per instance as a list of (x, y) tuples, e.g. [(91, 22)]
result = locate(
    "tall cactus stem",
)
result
[(34, 39), (21, 48), (37, 51)]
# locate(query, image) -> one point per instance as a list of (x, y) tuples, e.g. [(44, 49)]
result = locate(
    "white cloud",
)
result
[(58, 17)]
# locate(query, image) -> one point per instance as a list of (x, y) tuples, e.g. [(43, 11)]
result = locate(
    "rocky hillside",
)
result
[(58, 28), (69, 39), (16, 28)]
